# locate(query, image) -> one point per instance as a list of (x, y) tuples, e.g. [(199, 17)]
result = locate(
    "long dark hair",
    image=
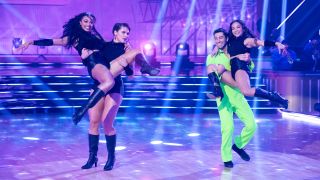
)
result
[(246, 31), (73, 30)]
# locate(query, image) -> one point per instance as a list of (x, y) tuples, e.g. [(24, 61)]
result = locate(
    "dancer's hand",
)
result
[(214, 51), (24, 46), (87, 52), (244, 57), (281, 47), (127, 46)]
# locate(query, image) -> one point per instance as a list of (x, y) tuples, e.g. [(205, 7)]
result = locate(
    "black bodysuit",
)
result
[(235, 47), (111, 51), (108, 51)]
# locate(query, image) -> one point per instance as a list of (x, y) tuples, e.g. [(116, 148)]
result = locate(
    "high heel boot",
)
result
[(111, 146), (93, 149), (145, 66), (93, 99), (214, 79), (272, 96)]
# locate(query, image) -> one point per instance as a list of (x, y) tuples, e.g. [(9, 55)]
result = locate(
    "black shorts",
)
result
[(237, 64), (117, 88)]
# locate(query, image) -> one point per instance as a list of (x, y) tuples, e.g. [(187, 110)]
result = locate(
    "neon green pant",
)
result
[(236, 104)]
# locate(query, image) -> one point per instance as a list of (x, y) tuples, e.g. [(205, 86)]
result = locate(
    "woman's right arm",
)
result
[(45, 42)]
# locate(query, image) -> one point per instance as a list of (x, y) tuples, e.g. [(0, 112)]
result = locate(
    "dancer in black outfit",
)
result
[(79, 32), (106, 110)]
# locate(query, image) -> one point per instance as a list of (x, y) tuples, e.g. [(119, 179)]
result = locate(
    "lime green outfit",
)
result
[(232, 102)]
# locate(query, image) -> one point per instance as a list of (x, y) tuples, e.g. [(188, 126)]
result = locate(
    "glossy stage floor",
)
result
[(179, 137), (175, 146)]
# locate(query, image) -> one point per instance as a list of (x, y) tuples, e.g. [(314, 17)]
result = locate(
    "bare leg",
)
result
[(93, 135), (102, 74), (243, 82), (124, 60), (111, 107), (112, 104), (95, 116), (226, 78)]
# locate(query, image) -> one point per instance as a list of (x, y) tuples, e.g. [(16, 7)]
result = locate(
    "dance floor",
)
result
[(155, 146)]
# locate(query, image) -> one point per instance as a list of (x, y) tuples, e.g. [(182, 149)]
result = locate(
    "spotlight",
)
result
[(182, 49), (317, 107), (149, 51), (182, 61), (16, 42)]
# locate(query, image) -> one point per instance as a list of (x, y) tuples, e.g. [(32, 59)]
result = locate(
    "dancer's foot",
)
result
[(93, 160), (77, 116), (241, 153), (228, 164), (280, 100)]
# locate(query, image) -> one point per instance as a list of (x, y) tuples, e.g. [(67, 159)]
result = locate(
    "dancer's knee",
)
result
[(106, 85), (212, 68), (251, 127), (245, 91), (123, 61), (227, 130), (94, 125)]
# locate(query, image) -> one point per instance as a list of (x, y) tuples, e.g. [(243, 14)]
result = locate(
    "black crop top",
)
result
[(236, 46), (89, 41), (112, 50)]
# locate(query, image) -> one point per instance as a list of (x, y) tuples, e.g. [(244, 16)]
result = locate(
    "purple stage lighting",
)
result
[(149, 49)]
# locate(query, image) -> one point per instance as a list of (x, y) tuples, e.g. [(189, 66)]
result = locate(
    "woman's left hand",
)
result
[(127, 46), (87, 52), (280, 46), (244, 57)]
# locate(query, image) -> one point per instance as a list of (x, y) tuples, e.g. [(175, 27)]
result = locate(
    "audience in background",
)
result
[(283, 61), (311, 54)]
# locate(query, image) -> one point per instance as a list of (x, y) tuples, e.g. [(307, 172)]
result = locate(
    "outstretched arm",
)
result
[(45, 42), (253, 42)]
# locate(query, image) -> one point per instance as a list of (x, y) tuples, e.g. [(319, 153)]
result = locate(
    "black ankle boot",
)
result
[(241, 153), (228, 164), (272, 96), (145, 66), (93, 149), (93, 99), (214, 79), (111, 146)]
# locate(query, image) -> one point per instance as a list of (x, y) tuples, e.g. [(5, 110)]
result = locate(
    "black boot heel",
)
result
[(93, 160), (93, 150), (111, 146)]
